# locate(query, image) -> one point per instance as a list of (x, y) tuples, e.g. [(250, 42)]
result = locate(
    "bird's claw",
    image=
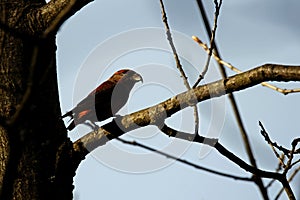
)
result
[(92, 125)]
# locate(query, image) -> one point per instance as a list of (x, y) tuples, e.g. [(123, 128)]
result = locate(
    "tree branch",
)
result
[(134, 143), (212, 42), (46, 19), (112, 131), (233, 68), (273, 145), (232, 100), (157, 114), (171, 43), (178, 63), (235, 108), (39, 20), (55, 12)]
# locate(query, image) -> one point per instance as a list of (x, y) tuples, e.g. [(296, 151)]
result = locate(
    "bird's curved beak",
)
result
[(137, 77)]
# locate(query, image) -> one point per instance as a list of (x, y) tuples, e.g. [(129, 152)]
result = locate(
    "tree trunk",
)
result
[(35, 157)]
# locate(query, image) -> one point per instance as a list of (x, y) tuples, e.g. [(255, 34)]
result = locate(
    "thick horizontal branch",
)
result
[(157, 114), (38, 20)]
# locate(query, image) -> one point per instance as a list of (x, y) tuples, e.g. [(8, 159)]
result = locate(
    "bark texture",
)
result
[(33, 140)]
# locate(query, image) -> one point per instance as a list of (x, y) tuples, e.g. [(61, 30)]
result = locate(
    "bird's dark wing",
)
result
[(105, 87), (101, 94), (105, 100)]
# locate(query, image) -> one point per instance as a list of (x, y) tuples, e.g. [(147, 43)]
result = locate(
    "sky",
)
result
[(106, 36)]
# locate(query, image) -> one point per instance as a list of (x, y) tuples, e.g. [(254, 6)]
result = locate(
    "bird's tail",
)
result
[(71, 125), (68, 114)]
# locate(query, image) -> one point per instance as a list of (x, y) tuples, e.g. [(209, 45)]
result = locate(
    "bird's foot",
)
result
[(92, 125)]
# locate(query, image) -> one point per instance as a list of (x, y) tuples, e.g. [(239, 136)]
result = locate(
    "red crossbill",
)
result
[(99, 104)]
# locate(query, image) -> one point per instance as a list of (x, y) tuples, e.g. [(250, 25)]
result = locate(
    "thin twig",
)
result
[(212, 42), (170, 39), (287, 166), (270, 183), (230, 156), (291, 155), (272, 144), (178, 63), (235, 109), (294, 163), (286, 151), (279, 167), (294, 174), (134, 143), (230, 66), (214, 143)]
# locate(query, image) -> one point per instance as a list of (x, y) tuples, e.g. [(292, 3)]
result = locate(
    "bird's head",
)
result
[(127, 75)]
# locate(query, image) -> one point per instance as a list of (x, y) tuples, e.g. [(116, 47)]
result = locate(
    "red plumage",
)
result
[(106, 100)]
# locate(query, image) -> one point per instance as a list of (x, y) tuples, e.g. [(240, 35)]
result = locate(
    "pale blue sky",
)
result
[(250, 33)]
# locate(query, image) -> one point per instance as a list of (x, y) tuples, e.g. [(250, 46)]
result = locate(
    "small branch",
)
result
[(92, 140), (170, 39), (287, 188), (235, 108), (287, 152), (294, 174), (289, 180), (224, 63), (212, 42), (291, 155), (295, 143), (273, 145), (59, 19), (230, 156), (134, 143), (213, 143), (178, 63), (278, 169), (296, 162), (222, 150), (280, 90)]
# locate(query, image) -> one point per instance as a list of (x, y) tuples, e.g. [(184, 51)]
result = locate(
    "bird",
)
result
[(104, 101)]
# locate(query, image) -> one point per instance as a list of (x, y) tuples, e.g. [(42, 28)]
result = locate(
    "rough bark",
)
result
[(36, 160)]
